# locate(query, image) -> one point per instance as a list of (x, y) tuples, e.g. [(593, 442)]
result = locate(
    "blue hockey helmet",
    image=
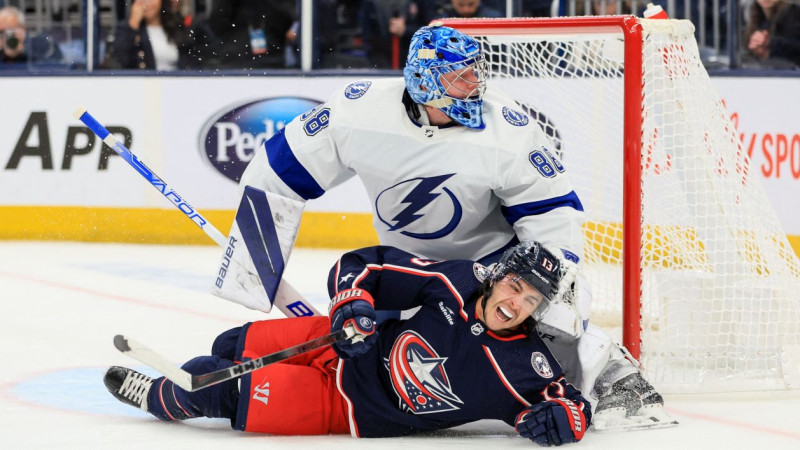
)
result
[(445, 69)]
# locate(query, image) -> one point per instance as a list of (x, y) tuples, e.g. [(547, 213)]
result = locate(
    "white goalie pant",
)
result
[(590, 357)]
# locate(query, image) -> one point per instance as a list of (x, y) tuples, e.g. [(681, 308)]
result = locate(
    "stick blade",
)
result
[(121, 343), (144, 354)]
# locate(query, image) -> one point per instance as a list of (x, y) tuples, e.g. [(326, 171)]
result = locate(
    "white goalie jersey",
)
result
[(438, 192)]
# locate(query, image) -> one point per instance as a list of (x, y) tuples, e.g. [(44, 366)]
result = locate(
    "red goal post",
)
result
[(683, 251)]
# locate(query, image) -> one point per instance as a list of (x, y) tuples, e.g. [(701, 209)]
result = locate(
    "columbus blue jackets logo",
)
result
[(480, 271), (541, 365), (515, 118), (357, 89), (420, 208), (419, 378)]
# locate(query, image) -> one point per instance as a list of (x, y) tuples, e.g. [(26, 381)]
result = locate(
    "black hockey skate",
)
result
[(630, 404), (128, 386)]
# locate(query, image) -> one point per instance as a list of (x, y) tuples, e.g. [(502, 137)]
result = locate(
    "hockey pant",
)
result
[(294, 397)]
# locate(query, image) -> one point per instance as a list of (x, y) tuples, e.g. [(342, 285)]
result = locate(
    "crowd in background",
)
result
[(167, 35)]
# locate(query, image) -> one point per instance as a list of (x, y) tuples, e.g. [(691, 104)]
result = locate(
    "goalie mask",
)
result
[(535, 265), (445, 69)]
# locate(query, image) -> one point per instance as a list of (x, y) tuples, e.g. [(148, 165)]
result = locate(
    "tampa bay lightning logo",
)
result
[(408, 201), (515, 118), (357, 89), (418, 376)]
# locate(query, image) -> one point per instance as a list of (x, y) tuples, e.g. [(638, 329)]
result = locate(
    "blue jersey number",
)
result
[(317, 121), (547, 164)]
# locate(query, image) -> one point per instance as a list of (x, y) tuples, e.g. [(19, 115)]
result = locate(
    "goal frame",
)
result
[(631, 29)]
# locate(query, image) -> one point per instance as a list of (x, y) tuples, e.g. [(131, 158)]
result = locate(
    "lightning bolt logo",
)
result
[(421, 196)]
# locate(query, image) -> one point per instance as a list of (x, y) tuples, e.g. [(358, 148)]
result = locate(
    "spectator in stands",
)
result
[(772, 35), (19, 46), (603, 8), (468, 9), (336, 27), (536, 8), (252, 33), (155, 36), (418, 13), (374, 19), (413, 15)]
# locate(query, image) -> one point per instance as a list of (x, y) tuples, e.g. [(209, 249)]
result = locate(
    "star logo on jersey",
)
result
[(418, 376), (418, 209), (346, 277)]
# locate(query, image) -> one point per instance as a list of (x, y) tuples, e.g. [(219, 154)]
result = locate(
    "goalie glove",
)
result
[(353, 307), (554, 422)]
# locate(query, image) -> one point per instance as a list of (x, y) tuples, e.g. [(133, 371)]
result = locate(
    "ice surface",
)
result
[(61, 304)]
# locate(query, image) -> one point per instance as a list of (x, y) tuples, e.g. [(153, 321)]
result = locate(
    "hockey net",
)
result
[(683, 250)]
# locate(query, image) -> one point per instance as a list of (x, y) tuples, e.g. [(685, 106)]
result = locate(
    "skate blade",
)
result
[(647, 418)]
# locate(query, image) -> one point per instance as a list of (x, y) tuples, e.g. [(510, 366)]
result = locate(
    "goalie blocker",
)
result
[(259, 244)]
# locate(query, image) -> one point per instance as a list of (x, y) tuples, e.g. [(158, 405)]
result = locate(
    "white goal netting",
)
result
[(720, 284)]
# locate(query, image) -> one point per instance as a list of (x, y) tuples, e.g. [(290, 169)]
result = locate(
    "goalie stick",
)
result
[(287, 298), (192, 383)]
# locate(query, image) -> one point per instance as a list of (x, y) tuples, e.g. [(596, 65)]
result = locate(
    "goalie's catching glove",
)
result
[(353, 307), (555, 422)]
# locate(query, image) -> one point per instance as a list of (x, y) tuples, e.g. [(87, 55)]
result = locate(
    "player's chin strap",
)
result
[(413, 109)]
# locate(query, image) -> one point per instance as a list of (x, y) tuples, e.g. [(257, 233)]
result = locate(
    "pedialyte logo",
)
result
[(231, 138)]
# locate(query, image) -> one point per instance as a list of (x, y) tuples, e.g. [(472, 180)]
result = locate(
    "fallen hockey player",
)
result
[(470, 353)]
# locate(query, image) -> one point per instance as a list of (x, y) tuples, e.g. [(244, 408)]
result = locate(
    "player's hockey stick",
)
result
[(287, 299), (193, 383), (171, 195)]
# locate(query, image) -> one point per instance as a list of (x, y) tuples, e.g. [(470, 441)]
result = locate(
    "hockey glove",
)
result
[(555, 422), (353, 307)]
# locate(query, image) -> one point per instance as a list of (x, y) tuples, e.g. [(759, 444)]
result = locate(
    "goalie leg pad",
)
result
[(259, 244), (603, 361), (591, 361)]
